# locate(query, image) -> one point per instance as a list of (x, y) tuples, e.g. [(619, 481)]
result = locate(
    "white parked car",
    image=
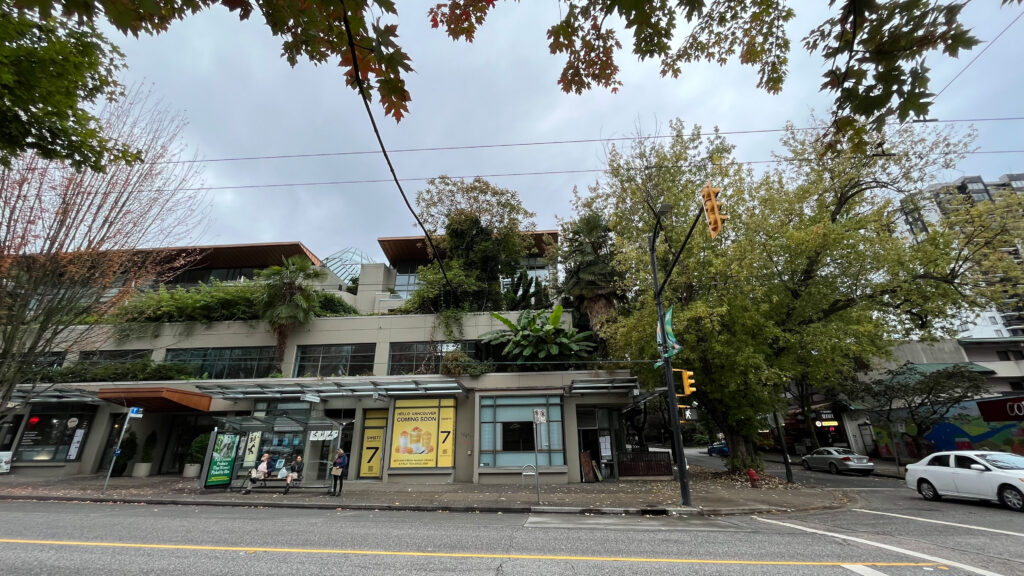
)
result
[(979, 475)]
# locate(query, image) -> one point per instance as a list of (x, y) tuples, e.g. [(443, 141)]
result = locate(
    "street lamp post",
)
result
[(673, 408)]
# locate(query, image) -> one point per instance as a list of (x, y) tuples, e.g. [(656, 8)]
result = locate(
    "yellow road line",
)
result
[(455, 554)]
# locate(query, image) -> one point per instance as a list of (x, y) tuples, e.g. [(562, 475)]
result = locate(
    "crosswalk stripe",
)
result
[(940, 522)]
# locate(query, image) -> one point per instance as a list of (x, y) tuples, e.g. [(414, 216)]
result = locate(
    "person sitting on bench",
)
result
[(295, 473)]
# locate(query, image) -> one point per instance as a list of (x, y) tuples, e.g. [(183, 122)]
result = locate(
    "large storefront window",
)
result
[(55, 434), (507, 436), (226, 363), (423, 433), (425, 357), (335, 360)]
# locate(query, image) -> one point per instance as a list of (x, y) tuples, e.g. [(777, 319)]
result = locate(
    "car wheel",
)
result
[(1011, 498), (927, 491), (807, 465), (833, 468)]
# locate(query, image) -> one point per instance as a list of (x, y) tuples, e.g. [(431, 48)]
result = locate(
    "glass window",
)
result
[(999, 333), (1003, 355), (55, 434), (424, 357), (1019, 184), (226, 363), (507, 432), (975, 186), (335, 360), (113, 356), (940, 460), (964, 462), (843, 451), (1005, 461)]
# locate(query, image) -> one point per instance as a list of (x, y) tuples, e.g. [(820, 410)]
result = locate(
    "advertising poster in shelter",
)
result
[(222, 461), (422, 433)]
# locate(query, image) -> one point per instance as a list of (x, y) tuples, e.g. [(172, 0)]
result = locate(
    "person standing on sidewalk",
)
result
[(338, 472)]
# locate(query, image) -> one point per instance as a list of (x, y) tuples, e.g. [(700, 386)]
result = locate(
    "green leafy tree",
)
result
[(906, 394), (526, 293), (288, 299), (590, 280), (810, 279), (538, 341), (53, 72), (197, 450), (874, 49)]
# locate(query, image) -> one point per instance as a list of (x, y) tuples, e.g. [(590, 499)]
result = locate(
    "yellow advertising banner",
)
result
[(369, 462), (416, 433), (446, 439)]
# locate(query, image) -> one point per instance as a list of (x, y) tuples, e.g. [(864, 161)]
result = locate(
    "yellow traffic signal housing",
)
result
[(688, 382), (712, 209)]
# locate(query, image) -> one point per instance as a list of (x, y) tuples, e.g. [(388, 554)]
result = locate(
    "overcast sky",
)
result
[(242, 99)]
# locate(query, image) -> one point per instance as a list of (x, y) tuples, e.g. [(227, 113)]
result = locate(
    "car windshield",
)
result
[(1004, 461), (844, 451)]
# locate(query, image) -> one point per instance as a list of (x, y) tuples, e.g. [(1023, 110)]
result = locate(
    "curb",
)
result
[(490, 509)]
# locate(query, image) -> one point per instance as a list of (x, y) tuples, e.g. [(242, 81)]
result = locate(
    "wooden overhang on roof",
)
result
[(414, 248), (157, 399), (245, 255)]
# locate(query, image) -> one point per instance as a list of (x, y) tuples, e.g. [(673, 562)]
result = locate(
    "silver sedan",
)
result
[(837, 460)]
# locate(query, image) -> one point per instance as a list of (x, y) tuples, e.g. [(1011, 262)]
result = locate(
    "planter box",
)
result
[(191, 470), (142, 469)]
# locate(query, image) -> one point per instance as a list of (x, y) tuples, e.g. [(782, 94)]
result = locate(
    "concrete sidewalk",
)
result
[(711, 497)]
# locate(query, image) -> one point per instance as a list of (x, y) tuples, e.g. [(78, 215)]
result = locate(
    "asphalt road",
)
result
[(814, 479), (84, 539)]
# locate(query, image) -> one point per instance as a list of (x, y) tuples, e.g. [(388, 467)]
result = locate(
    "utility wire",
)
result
[(380, 141), (973, 60), (530, 144), (509, 174)]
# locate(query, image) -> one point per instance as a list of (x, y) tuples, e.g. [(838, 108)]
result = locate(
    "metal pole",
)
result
[(117, 451), (673, 408), (785, 450), (536, 458)]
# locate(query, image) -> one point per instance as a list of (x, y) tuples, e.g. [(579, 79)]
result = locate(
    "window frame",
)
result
[(492, 455)]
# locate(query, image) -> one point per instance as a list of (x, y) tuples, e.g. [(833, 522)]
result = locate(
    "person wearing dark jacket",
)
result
[(294, 473), (338, 472)]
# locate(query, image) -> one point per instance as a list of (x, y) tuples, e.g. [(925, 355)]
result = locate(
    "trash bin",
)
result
[(5, 462)]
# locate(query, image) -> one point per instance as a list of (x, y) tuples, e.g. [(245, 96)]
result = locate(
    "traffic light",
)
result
[(712, 209), (688, 382)]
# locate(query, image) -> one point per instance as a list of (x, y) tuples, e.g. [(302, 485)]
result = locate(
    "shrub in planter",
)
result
[(197, 451), (129, 446), (148, 447)]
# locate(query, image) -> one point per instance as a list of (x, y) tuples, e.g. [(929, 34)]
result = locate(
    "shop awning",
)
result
[(289, 423), (604, 385), (157, 399), (375, 387)]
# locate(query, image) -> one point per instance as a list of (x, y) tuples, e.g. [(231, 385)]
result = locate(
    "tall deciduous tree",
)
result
[(71, 242), (810, 279), (288, 298), (52, 73)]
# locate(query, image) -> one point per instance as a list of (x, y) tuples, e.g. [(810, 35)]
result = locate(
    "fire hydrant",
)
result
[(755, 482)]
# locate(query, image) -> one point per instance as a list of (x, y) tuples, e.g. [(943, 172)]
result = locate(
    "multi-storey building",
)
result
[(369, 383), (923, 209)]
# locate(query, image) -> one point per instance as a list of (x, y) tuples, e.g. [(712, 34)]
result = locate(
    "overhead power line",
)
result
[(978, 55), (500, 175), (455, 148)]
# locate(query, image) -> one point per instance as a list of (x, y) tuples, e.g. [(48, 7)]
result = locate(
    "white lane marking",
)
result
[(941, 522), (863, 570), (928, 557)]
